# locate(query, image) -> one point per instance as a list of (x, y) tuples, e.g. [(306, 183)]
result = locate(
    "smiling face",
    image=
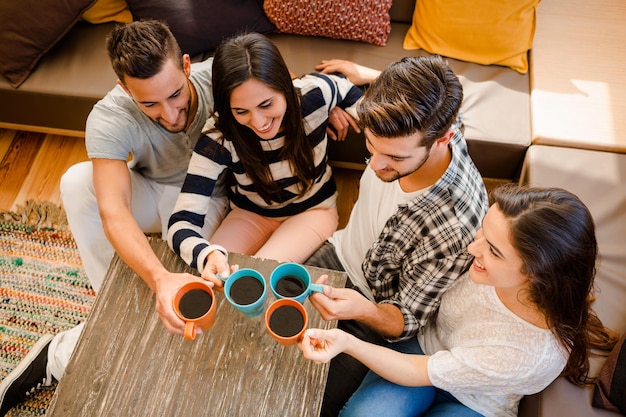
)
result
[(260, 108), (165, 97), (394, 158), (496, 262)]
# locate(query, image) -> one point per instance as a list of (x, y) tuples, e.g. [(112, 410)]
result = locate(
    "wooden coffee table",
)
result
[(127, 364)]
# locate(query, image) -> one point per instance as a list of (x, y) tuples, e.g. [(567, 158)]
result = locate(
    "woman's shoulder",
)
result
[(310, 81), (320, 80)]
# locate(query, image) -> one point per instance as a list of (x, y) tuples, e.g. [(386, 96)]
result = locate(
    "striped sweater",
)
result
[(214, 155)]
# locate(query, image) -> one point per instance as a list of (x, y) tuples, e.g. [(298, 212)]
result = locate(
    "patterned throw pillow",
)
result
[(357, 20)]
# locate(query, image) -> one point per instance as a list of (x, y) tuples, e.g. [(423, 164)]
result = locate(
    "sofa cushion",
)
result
[(108, 11), (578, 96), (365, 21), (24, 39), (496, 32), (200, 25), (599, 180), (610, 388)]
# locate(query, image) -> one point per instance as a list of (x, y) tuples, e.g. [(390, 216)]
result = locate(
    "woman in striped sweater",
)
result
[(268, 135)]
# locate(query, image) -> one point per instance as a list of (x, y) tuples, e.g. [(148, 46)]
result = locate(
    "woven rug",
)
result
[(43, 288)]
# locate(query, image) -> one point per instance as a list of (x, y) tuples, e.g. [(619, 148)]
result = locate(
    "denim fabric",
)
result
[(379, 397)]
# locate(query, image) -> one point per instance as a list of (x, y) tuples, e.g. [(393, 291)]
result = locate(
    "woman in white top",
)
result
[(518, 319)]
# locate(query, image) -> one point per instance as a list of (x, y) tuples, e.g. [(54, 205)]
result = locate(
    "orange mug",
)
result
[(195, 304), (286, 320)]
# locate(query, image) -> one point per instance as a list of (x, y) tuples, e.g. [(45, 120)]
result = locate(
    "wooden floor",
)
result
[(31, 165)]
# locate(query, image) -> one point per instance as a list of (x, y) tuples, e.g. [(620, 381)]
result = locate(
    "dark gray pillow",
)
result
[(610, 387), (29, 29), (200, 25)]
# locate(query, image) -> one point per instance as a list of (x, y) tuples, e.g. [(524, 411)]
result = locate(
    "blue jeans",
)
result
[(378, 397)]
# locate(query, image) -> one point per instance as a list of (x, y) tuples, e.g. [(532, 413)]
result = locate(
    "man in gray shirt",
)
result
[(139, 139)]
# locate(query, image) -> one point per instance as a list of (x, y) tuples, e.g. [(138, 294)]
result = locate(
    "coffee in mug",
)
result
[(246, 290), (195, 303), (286, 321), (292, 280), (290, 286)]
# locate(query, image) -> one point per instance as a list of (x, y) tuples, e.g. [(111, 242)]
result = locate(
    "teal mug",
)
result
[(246, 290), (291, 280)]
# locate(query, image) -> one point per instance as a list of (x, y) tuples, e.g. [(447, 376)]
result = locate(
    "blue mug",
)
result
[(291, 280), (246, 290)]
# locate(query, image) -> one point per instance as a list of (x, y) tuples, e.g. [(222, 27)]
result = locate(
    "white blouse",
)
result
[(485, 355)]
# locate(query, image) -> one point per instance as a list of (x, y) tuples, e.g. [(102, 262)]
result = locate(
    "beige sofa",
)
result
[(563, 122), (76, 73)]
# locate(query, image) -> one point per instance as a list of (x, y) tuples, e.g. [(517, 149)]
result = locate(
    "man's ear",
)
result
[(446, 138), (187, 65)]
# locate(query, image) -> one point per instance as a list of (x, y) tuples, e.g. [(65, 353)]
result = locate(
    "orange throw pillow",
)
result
[(488, 32), (108, 11)]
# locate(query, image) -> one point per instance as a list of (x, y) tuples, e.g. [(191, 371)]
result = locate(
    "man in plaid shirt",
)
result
[(421, 202)]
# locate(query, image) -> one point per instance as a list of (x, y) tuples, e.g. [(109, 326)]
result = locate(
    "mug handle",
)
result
[(190, 330), (316, 288), (220, 289)]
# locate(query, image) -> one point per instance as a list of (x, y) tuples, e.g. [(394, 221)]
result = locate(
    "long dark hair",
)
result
[(237, 60), (554, 235)]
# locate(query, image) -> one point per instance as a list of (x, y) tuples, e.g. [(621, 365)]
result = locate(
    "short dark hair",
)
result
[(139, 49), (415, 94)]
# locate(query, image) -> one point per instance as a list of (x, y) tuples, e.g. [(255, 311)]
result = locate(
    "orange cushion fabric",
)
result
[(108, 11), (487, 32)]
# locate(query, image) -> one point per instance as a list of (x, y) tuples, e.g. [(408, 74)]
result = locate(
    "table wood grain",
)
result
[(127, 364)]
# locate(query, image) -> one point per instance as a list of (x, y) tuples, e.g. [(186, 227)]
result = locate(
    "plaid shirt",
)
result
[(423, 247)]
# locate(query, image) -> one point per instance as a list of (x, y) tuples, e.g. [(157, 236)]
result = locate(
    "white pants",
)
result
[(152, 204), (61, 348)]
